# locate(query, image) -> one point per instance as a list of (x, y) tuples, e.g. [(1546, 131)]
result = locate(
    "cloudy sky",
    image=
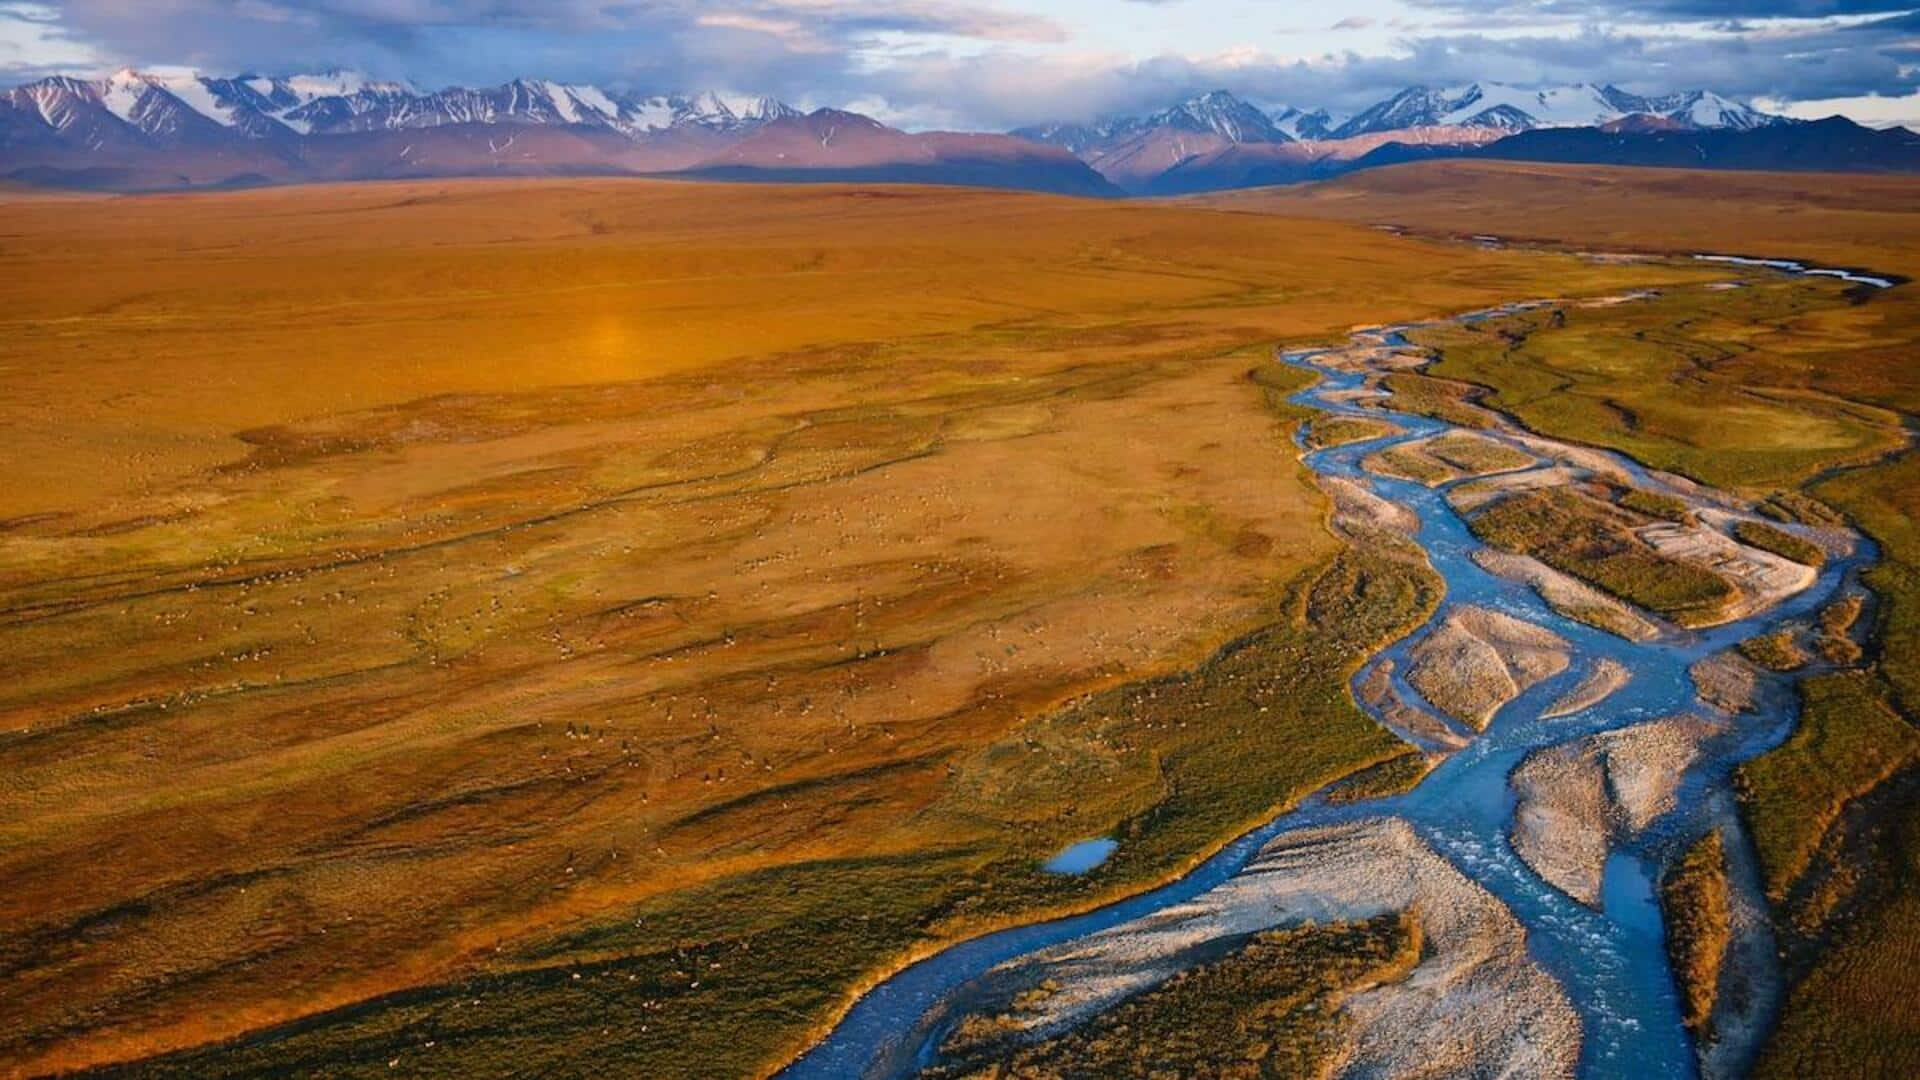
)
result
[(1001, 63)]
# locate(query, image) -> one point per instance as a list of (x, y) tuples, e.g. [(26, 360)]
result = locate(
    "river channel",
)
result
[(1609, 959)]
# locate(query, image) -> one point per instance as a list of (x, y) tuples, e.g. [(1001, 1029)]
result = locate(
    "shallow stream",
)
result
[(1610, 961)]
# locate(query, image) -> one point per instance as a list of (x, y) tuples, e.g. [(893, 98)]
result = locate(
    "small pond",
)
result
[(1081, 857)]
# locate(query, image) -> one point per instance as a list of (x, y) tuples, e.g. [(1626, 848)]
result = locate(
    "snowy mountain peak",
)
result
[(710, 107), (121, 92), (1706, 109), (1303, 123), (1223, 114), (766, 110)]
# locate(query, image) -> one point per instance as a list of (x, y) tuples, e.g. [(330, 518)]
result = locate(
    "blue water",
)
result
[(1081, 857), (1610, 961)]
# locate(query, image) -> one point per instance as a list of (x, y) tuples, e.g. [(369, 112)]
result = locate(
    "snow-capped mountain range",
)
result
[(1478, 105), (178, 128), (170, 103), (166, 102), (175, 128), (1511, 108), (1217, 113), (1220, 135)]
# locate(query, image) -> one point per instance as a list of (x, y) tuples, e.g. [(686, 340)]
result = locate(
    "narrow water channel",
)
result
[(1609, 960)]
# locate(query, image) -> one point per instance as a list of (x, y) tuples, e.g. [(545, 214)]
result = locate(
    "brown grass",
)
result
[(398, 573), (1871, 221), (1694, 897)]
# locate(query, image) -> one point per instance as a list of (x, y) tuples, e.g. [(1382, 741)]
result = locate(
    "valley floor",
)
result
[(492, 628), (547, 626)]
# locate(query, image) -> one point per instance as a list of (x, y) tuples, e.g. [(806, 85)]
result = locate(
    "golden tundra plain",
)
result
[(508, 628)]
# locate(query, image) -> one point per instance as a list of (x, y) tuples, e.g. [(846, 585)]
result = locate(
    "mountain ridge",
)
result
[(1212, 135), (1512, 108), (174, 128), (1834, 144)]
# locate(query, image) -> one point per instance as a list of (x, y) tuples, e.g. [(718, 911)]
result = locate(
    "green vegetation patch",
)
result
[(1694, 898), (1268, 1009), (1656, 505), (1795, 388), (1798, 506), (1409, 463), (1778, 651), (1613, 620), (1856, 1012), (1391, 777), (1847, 742), (1332, 429), (1708, 384), (1477, 454), (1780, 542), (1446, 457), (1442, 399), (1587, 539), (1834, 639), (1839, 616)]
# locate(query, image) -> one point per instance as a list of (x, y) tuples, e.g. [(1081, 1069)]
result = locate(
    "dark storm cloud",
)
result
[(1819, 63), (764, 43)]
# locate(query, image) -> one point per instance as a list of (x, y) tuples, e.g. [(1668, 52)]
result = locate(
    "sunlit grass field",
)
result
[(549, 626)]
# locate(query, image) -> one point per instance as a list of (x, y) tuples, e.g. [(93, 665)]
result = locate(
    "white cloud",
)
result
[(1872, 110), (34, 40)]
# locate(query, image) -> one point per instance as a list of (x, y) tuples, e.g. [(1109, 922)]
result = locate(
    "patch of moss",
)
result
[(1778, 651), (1694, 899), (1801, 508), (1477, 454), (1573, 533), (1834, 639), (1846, 743), (1657, 505), (1332, 429), (1409, 463), (1390, 777), (1780, 542), (1442, 399)]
